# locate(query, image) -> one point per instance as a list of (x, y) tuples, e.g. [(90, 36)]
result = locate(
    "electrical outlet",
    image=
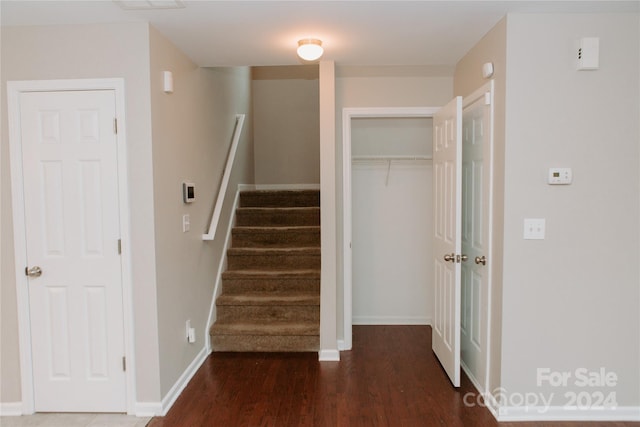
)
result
[(534, 228)]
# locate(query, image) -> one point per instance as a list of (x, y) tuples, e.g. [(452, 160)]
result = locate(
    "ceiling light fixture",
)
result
[(310, 49)]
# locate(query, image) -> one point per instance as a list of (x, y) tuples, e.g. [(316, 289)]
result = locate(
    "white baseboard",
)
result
[(182, 382), (472, 378), (559, 413), (564, 413), (10, 409), (391, 320), (287, 186), (329, 356), (148, 409), (342, 345), (160, 409)]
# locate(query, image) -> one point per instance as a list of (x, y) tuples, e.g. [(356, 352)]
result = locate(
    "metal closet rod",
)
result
[(389, 159)]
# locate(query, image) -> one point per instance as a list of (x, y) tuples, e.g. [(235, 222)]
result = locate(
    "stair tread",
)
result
[(278, 208), (273, 228), (266, 329), (270, 274), (310, 250), (283, 191), (270, 298)]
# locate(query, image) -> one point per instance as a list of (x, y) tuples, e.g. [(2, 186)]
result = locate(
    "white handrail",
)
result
[(217, 211)]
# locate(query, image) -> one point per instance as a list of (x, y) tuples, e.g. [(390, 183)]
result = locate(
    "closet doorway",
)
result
[(387, 204)]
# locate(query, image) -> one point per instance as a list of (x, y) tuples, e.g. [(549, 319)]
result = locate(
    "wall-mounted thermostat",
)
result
[(188, 192), (560, 176)]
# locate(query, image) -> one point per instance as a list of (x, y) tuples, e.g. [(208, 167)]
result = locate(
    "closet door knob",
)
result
[(450, 257)]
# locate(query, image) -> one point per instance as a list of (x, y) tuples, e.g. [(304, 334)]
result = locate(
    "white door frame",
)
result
[(347, 115), (482, 91), (14, 89)]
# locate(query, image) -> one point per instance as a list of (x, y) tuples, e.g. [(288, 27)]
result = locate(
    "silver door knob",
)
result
[(33, 271), (481, 260), (463, 257), (450, 257)]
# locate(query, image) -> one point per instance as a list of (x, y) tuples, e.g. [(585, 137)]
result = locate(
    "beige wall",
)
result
[(328, 291), (573, 299), (467, 78), (379, 87), (92, 51), (170, 138), (192, 129), (286, 124)]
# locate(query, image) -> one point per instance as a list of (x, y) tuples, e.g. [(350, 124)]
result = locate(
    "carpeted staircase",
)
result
[(270, 299)]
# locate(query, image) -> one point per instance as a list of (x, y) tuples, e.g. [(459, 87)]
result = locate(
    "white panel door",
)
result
[(72, 231), (476, 128), (447, 152)]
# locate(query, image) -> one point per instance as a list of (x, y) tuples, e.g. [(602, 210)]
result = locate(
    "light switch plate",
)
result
[(186, 223), (534, 228)]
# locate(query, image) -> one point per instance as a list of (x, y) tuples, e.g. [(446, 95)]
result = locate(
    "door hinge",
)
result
[(124, 363), (115, 126), (119, 246)]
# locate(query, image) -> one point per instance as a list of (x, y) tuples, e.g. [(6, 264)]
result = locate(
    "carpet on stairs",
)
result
[(270, 298)]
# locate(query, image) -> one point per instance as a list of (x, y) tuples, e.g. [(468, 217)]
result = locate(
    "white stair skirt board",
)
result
[(222, 265)]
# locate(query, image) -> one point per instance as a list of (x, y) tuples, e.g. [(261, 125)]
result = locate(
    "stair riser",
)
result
[(275, 239), (277, 218), (280, 199), (251, 343), (272, 262), (254, 314), (239, 286)]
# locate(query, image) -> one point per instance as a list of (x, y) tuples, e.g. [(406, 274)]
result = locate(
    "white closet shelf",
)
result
[(388, 158)]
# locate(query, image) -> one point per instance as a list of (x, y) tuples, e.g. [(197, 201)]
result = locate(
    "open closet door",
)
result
[(447, 159)]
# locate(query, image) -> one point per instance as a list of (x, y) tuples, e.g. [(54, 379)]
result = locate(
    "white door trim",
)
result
[(347, 115), (14, 89)]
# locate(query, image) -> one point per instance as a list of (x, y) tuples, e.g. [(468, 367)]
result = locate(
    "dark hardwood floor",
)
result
[(390, 378)]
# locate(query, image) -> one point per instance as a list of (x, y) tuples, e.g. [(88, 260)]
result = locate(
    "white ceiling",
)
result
[(265, 32)]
